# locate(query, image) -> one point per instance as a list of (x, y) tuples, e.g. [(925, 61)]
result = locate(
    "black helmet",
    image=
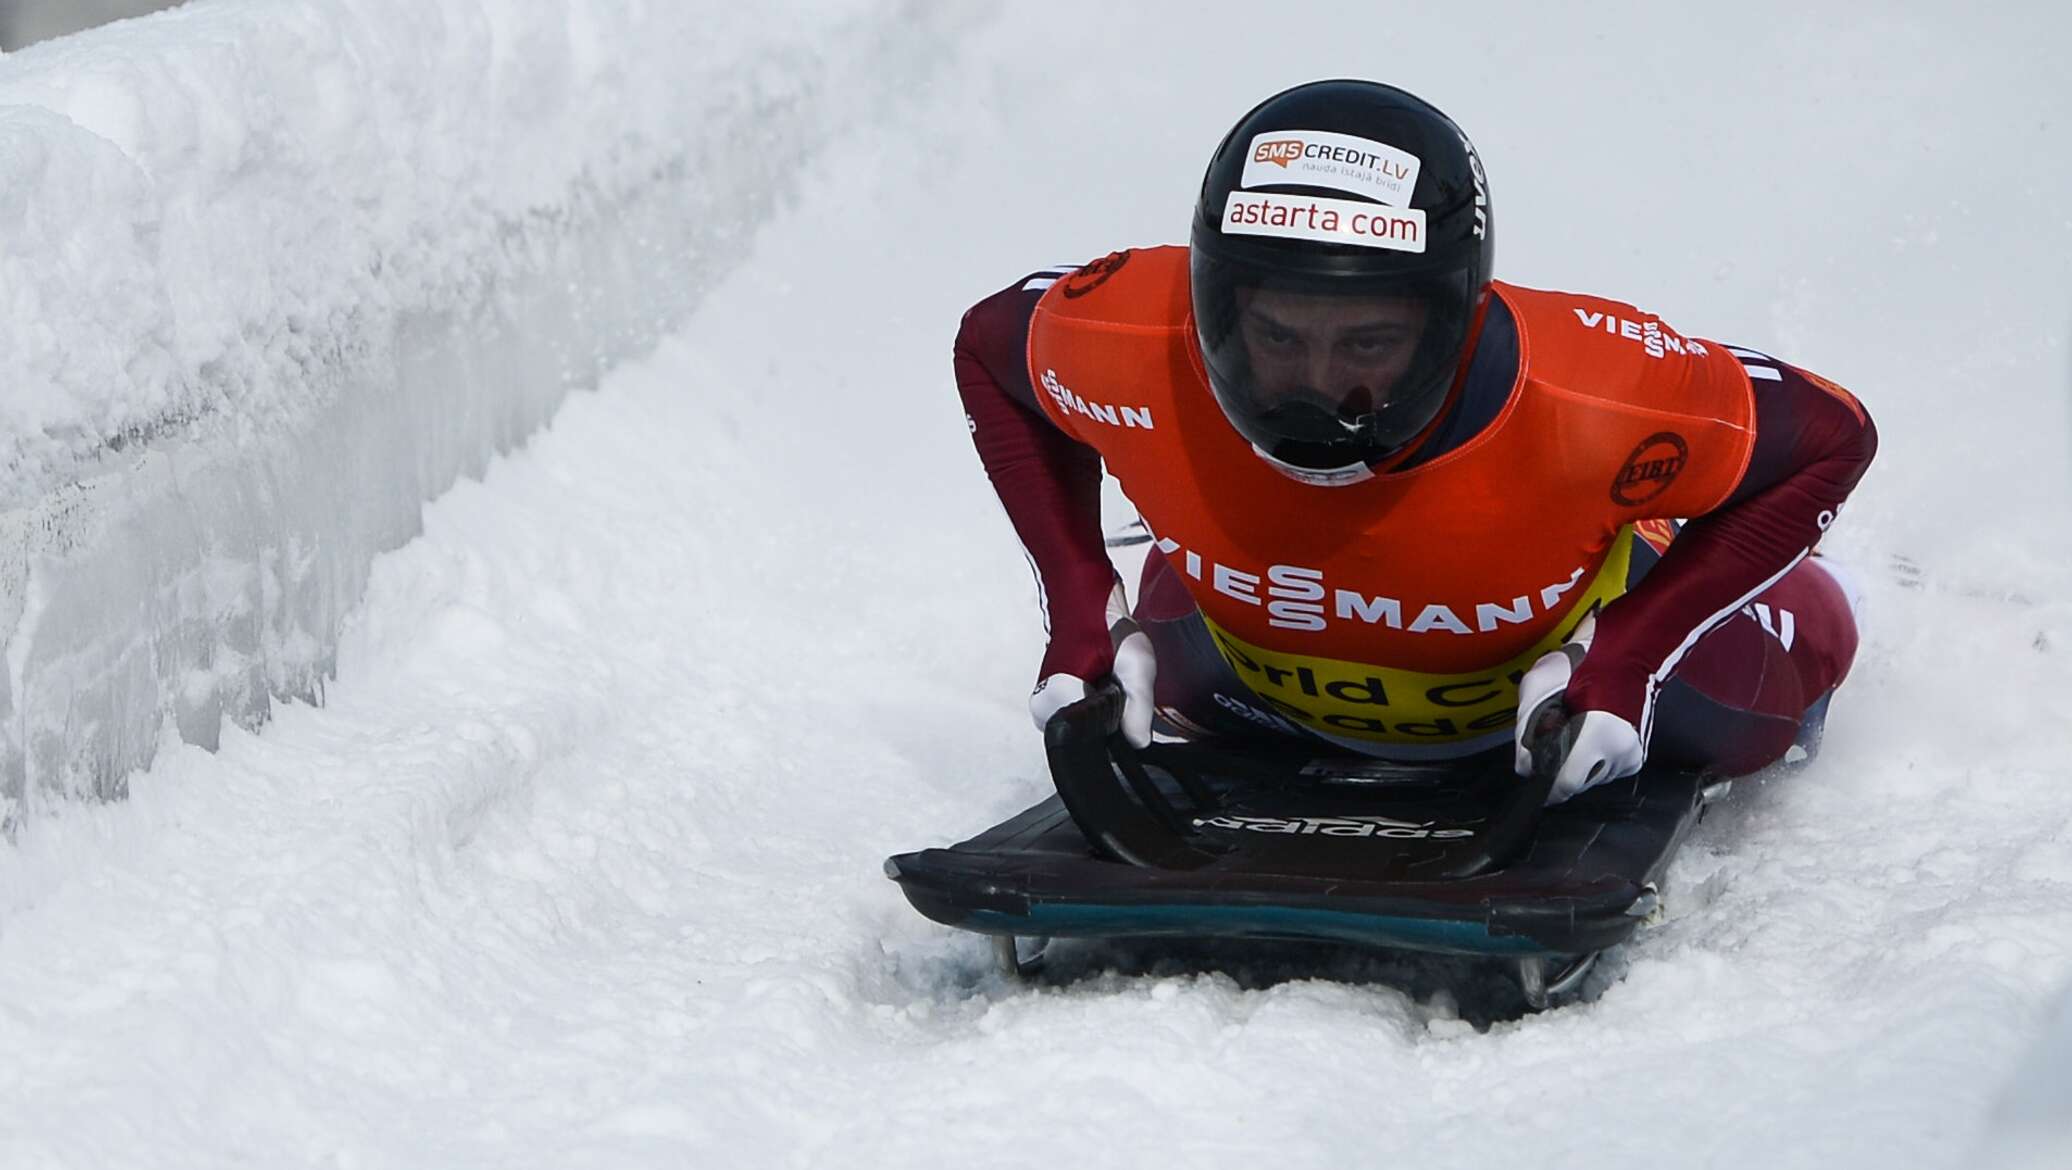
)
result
[(1341, 247)]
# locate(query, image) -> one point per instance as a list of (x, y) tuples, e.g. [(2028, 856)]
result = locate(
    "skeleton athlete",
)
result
[(1401, 507)]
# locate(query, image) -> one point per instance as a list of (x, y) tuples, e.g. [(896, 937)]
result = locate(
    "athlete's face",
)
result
[(1341, 354)]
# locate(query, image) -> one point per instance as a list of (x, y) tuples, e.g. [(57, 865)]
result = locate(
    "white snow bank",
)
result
[(272, 275)]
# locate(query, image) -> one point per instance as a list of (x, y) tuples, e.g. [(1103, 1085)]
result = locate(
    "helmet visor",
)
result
[(1322, 371)]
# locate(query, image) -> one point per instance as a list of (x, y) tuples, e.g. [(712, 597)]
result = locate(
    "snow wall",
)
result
[(273, 275)]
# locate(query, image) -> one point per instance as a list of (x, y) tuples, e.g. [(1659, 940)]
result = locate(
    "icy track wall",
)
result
[(274, 274)]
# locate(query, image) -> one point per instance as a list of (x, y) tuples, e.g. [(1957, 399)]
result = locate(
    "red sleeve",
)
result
[(1813, 443), (1049, 483)]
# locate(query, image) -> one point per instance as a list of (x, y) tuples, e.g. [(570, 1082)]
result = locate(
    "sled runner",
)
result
[(1203, 841)]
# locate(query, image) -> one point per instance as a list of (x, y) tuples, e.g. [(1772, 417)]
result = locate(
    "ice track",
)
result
[(578, 865)]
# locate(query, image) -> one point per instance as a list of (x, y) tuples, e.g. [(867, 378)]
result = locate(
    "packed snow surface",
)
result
[(579, 863)]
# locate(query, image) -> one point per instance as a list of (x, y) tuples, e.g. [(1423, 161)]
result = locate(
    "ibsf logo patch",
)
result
[(1652, 467), (1094, 275)]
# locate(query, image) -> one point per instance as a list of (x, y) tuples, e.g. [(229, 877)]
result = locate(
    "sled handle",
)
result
[(1550, 732), (1096, 771), (1511, 825)]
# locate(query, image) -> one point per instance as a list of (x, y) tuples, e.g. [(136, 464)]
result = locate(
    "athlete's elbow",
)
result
[(1852, 456)]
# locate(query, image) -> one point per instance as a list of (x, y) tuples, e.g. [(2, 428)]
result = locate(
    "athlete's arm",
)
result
[(1813, 441), (1049, 482)]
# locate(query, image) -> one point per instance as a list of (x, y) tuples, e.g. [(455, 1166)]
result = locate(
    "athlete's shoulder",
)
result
[(1633, 400), (1595, 326), (1592, 349), (1137, 288)]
